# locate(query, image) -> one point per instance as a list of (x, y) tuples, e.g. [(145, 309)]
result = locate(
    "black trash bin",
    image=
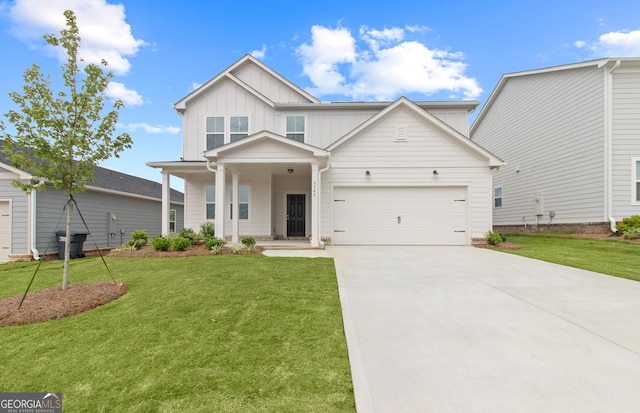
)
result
[(75, 245)]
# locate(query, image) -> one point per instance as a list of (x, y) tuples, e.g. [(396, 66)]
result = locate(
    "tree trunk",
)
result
[(67, 246)]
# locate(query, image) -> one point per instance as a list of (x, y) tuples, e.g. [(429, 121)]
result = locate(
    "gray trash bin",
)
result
[(75, 246)]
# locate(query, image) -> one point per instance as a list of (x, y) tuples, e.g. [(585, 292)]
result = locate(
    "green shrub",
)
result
[(160, 243), (493, 238), (207, 230), (628, 223), (189, 234), (180, 243), (248, 241), (211, 242), (135, 244), (633, 233), (140, 235)]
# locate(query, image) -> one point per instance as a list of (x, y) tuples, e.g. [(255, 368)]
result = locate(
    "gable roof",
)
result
[(180, 105), (111, 180), (261, 136), (404, 103), (599, 63)]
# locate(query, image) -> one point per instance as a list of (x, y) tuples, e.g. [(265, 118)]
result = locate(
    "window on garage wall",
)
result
[(497, 197)]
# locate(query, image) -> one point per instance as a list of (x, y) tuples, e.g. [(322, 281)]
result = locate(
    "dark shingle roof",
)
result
[(120, 182)]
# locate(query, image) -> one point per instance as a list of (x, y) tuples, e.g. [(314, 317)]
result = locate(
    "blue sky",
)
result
[(337, 50)]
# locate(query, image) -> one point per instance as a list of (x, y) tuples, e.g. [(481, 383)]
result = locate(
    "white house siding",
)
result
[(224, 99), (19, 215), (457, 119), (131, 214), (409, 163), (626, 140), (548, 128), (259, 222), (268, 85)]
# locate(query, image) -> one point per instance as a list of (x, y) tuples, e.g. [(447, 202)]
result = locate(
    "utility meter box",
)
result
[(113, 221)]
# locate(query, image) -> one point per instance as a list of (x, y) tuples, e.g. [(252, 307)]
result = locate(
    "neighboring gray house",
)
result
[(390, 173), (113, 206), (570, 137)]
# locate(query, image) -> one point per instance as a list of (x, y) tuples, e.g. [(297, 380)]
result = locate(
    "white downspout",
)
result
[(33, 220), (320, 172), (609, 144)]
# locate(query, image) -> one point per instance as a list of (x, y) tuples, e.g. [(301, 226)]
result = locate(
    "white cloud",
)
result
[(129, 97), (260, 54), (104, 32), (622, 43), (153, 129), (381, 64), (329, 48), (195, 85)]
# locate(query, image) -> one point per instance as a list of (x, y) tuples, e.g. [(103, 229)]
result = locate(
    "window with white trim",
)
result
[(636, 180), (239, 127), (497, 197), (210, 201), (215, 131), (172, 220), (243, 201), (295, 127), (244, 192)]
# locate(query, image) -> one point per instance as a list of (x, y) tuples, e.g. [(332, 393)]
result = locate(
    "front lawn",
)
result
[(196, 334), (610, 256)]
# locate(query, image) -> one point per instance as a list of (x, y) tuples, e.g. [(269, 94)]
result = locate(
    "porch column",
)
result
[(220, 201), (315, 207), (166, 201), (235, 213)]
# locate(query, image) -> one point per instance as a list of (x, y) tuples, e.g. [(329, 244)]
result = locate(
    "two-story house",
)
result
[(261, 157), (570, 136)]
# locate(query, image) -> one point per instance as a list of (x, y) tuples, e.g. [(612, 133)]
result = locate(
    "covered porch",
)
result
[(275, 180)]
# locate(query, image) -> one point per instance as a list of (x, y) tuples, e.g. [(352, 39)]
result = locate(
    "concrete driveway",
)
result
[(462, 329)]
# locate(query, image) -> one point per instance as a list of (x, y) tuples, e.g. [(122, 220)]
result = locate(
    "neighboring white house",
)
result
[(261, 157), (570, 137), (113, 206)]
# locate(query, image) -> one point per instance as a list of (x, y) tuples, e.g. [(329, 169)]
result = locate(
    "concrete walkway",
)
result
[(461, 329)]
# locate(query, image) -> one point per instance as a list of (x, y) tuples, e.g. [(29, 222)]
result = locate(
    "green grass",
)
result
[(613, 256), (199, 334)]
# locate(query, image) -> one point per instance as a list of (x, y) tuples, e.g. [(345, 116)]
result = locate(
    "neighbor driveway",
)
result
[(462, 329)]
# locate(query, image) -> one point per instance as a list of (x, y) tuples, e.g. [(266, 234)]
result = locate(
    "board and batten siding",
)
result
[(548, 128), (626, 140), (19, 215), (409, 163), (268, 85), (224, 99), (131, 213)]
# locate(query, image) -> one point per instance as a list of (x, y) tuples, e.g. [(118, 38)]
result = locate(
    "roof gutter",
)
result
[(609, 144)]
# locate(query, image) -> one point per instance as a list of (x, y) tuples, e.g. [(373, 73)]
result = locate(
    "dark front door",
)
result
[(295, 215)]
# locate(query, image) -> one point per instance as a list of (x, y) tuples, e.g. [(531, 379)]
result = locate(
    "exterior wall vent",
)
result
[(401, 134)]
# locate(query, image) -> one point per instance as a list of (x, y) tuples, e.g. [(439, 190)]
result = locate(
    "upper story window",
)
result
[(218, 134), (497, 197), (636, 181), (239, 127), (295, 128), (215, 131)]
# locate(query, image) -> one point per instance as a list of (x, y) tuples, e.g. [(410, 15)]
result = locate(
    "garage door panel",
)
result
[(399, 216)]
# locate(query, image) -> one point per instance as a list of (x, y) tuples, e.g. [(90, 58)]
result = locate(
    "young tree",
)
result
[(60, 137)]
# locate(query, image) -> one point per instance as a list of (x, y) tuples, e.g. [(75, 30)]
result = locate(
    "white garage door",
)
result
[(5, 230), (399, 216)]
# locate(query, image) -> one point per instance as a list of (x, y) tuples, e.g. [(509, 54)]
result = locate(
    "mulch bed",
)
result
[(193, 251), (55, 303)]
